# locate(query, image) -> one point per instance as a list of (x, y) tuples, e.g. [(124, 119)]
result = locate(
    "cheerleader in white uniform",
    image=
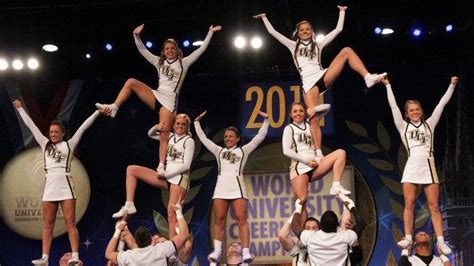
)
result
[(230, 187), (176, 177), (172, 69), (298, 146), (306, 53), (418, 137), (59, 185)]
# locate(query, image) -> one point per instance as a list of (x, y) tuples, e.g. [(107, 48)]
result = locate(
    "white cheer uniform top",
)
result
[(309, 67), (230, 163)]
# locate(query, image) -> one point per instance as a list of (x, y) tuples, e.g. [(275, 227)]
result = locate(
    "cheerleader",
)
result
[(230, 187), (306, 53), (172, 69), (298, 146), (417, 135), (176, 177), (58, 153)]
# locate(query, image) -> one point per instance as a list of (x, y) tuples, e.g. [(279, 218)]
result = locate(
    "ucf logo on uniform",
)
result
[(55, 154), (174, 153), (418, 135), (303, 138), (231, 157), (168, 72)]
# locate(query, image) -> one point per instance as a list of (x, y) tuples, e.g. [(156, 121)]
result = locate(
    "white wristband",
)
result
[(444, 258), (404, 252), (117, 233), (179, 214), (290, 219)]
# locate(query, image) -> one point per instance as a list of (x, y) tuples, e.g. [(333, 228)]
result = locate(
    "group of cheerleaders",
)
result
[(301, 141)]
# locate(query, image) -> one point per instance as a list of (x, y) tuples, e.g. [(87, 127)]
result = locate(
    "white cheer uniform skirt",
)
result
[(58, 187), (420, 170), (230, 187)]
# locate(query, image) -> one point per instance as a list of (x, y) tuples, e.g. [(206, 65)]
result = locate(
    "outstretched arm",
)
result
[(397, 115), (190, 59), (153, 59), (340, 24), (262, 132), (211, 146), (80, 131), (434, 118), (188, 157), (290, 44), (39, 137), (284, 235)]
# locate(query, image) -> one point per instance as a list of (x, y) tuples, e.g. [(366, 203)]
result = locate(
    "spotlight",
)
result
[(386, 31), (32, 63), (449, 28), (198, 43), (148, 44), (50, 48), (416, 32), (17, 64), (3, 64), (108, 47), (88, 56), (256, 42), (319, 37), (186, 43), (240, 42), (378, 30)]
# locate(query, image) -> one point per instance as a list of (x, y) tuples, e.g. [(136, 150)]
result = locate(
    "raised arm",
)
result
[(262, 132), (153, 59), (190, 59), (110, 252), (80, 131), (188, 157), (397, 115), (340, 24), (211, 146), (180, 239), (39, 137), (290, 44), (284, 235), (287, 142), (436, 115)]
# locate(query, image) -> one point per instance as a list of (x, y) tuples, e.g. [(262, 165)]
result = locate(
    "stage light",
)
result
[(17, 64), (256, 42), (387, 31), (416, 32), (198, 43), (88, 56), (378, 30), (320, 37), (449, 28), (32, 63), (186, 43), (240, 42), (50, 48), (148, 44), (3, 64), (108, 47)]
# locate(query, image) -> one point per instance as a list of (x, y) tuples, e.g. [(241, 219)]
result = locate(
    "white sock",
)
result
[(409, 237), (218, 245), (367, 76), (440, 239), (245, 251), (129, 203), (336, 184), (45, 256), (75, 255)]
